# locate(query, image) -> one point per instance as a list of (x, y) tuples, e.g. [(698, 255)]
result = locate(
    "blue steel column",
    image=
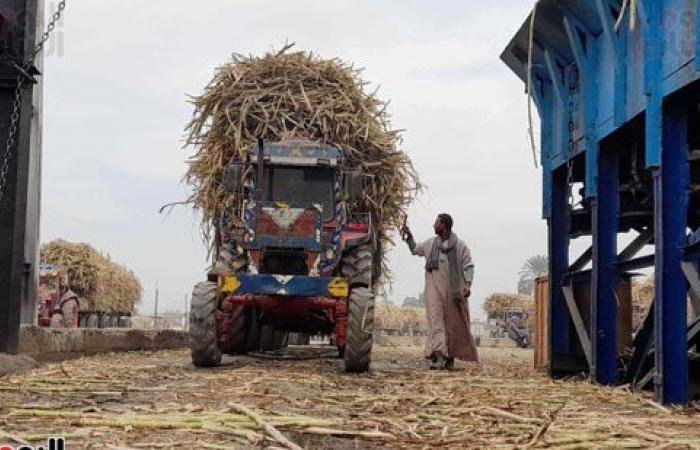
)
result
[(605, 275), (670, 221), (558, 266)]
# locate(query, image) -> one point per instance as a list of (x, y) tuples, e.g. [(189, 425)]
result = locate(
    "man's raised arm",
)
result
[(407, 236)]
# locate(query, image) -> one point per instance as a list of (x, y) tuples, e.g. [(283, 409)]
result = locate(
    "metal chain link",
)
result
[(17, 100), (49, 29)]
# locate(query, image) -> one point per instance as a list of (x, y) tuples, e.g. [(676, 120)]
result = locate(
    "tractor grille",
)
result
[(284, 261)]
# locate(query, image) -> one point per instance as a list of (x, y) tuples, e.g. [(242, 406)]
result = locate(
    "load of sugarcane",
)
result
[(391, 316), (108, 286), (296, 94), (500, 302)]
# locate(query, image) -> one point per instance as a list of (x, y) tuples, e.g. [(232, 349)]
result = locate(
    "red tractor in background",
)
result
[(58, 305), (293, 255)]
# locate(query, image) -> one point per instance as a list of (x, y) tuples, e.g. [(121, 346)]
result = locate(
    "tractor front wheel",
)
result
[(360, 326), (203, 341), (92, 321)]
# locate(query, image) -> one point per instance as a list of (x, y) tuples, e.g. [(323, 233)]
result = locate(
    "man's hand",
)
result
[(466, 291), (406, 233)]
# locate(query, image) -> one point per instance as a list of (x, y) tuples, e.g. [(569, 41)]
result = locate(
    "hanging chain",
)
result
[(17, 100), (49, 29)]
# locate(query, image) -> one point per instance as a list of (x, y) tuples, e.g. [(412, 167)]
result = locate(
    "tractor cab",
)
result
[(292, 210)]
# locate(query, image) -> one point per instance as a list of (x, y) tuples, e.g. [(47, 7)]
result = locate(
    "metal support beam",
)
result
[(583, 337), (547, 120), (558, 266), (586, 61), (671, 288), (642, 344), (636, 245), (605, 274), (18, 250), (653, 52), (643, 262), (691, 273), (618, 44), (556, 78), (582, 260), (697, 36)]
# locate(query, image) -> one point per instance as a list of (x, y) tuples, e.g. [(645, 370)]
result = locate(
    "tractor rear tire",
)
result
[(271, 338), (105, 321), (358, 345), (251, 330), (204, 345), (70, 313), (268, 338), (357, 266), (92, 321), (237, 332)]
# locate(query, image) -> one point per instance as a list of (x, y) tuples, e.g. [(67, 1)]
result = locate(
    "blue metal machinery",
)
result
[(618, 96)]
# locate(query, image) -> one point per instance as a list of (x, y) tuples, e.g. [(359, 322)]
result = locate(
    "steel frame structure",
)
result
[(20, 22), (618, 95)]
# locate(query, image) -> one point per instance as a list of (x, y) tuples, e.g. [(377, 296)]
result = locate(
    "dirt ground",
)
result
[(302, 398)]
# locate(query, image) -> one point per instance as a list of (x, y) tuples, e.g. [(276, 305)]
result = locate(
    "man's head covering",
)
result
[(446, 220)]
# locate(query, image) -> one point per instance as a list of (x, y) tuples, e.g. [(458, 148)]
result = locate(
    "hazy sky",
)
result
[(116, 84)]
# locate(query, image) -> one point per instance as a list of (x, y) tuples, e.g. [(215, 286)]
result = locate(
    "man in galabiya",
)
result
[(449, 272)]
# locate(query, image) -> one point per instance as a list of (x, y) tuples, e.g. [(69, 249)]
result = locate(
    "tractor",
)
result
[(513, 323), (293, 254), (59, 306)]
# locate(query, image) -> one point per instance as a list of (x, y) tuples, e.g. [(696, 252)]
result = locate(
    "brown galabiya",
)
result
[(448, 274)]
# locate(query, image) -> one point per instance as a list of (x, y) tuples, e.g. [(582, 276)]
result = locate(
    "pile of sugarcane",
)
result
[(499, 302), (643, 292), (109, 286), (296, 94), (389, 315)]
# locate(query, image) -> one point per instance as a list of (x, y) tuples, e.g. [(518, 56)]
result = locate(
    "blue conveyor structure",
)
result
[(618, 97)]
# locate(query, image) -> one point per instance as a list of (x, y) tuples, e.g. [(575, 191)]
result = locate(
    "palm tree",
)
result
[(534, 267)]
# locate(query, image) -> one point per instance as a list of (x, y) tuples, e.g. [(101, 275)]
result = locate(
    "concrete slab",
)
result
[(47, 342)]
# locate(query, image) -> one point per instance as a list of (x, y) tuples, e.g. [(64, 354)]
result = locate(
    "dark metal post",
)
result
[(260, 176), (558, 266), (604, 274), (18, 237), (671, 288)]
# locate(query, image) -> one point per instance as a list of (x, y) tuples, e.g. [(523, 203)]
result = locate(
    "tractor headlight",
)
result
[(339, 287), (228, 284)]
